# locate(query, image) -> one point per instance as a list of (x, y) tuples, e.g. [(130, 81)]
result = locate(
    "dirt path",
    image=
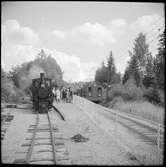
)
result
[(101, 149)]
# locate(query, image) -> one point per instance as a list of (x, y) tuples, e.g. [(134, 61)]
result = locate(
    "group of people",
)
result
[(63, 95)]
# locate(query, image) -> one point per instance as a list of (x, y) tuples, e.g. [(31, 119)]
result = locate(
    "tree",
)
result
[(141, 51), (138, 60), (49, 66), (148, 80), (8, 89), (108, 74), (101, 74), (111, 69), (132, 70), (159, 62), (22, 75), (126, 75), (117, 78)]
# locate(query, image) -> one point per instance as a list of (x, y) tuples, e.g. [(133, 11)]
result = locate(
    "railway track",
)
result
[(45, 144), (145, 133), (144, 130)]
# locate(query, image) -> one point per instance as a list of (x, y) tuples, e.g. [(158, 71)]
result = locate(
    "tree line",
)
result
[(145, 70)]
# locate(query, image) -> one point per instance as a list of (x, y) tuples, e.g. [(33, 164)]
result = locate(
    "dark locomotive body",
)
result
[(93, 91), (42, 95)]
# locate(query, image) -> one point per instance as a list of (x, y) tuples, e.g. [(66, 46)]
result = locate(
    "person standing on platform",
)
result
[(67, 95), (58, 94), (64, 95), (71, 96), (54, 93)]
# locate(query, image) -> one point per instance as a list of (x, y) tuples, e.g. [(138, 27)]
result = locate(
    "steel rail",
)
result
[(30, 149), (52, 138), (141, 121)]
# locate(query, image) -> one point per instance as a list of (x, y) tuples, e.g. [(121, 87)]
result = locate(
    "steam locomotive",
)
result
[(42, 96)]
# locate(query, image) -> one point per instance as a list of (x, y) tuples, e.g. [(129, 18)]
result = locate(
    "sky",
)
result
[(79, 35)]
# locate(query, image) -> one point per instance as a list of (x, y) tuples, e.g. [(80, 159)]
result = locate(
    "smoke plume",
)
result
[(33, 73)]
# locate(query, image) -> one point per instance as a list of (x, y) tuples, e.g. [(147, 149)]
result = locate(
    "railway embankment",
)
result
[(139, 137)]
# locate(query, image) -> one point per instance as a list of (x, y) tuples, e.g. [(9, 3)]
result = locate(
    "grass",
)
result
[(143, 109)]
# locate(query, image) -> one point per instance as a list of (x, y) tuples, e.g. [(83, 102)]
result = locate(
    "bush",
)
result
[(132, 93), (162, 97), (9, 92), (128, 92), (152, 95), (115, 101), (116, 90)]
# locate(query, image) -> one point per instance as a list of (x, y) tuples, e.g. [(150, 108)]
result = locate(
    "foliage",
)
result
[(138, 60), (115, 100), (15, 84), (159, 63), (152, 95), (50, 67), (101, 74), (148, 81), (149, 78), (115, 91), (117, 78), (127, 92), (19, 75), (9, 92), (22, 75), (132, 91), (111, 68), (143, 77), (132, 71), (107, 73), (141, 50)]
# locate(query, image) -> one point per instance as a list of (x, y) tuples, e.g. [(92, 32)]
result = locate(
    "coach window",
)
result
[(90, 91), (99, 91)]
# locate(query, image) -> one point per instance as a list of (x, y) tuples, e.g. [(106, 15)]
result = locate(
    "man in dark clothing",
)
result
[(64, 93), (71, 96)]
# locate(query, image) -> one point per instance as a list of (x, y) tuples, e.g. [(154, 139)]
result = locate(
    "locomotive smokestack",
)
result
[(42, 77)]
